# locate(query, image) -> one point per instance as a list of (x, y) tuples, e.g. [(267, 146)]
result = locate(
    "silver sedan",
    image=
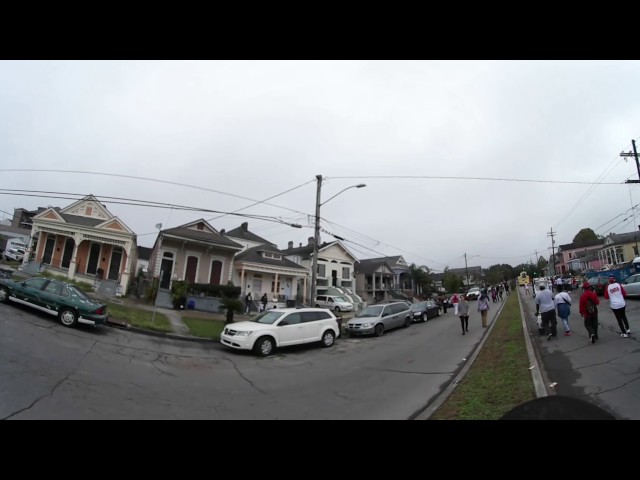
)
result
[(632, 285)]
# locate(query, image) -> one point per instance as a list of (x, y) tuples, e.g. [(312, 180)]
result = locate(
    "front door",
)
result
[(216, 271), (166, 268), (68, 252), (192, 268), (94, 256), (48, 249), (114, 265)]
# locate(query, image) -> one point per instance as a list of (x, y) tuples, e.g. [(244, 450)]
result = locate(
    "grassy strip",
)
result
[(499, 379), (201, 327), (139, 318)]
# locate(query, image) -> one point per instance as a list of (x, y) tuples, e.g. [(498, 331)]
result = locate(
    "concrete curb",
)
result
[(173, 336), (448, 390), (536, 374)]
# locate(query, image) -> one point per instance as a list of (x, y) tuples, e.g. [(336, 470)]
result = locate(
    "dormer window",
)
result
[(200, 226), (275, 256), (88, 210)]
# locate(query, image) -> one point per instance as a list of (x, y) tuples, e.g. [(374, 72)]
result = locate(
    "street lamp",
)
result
[(316, 238)]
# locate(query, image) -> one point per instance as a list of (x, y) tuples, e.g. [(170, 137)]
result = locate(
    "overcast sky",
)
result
[(254, 129)]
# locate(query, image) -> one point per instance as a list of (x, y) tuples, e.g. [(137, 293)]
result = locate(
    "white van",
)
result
[(333, 302)]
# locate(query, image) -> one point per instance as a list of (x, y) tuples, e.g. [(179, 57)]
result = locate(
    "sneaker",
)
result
[(624, 335), (549, 336), (567, 334), (463, 332), (593, 339), (628, 332)]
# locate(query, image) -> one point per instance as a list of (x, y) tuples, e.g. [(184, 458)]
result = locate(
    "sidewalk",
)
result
[(606, 373)]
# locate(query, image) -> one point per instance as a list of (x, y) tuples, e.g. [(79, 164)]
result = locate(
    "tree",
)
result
[(585, 236), (451, 281), (421, 277)]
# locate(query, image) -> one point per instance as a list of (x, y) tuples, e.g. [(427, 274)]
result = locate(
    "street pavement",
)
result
[(606, 373)]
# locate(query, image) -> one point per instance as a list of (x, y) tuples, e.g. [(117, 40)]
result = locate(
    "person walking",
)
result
[(264, 301), (247, 303), (463, 313), (455, 300), (546, 307), (588, 307), (563, 306), (616, 294), (526, 288), (483, 306)]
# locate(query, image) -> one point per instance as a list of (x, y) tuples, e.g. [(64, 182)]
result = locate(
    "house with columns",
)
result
[(83, 242)]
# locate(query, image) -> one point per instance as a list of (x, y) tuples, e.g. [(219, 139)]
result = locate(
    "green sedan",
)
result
[(63, 300)]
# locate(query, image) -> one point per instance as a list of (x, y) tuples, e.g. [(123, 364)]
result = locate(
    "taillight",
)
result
[(101, 311)]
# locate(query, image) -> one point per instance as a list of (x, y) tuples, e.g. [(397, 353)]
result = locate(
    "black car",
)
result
[(598, 284), (424, 310)]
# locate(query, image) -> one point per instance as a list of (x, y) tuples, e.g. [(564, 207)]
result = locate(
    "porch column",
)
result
[(304, 287), (124, 278), (27, 255), (243, 289), (72, 263), (275, 287)]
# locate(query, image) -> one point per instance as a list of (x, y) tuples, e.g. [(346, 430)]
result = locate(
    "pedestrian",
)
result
[(558, 282), (264, 301), (247, 303), (588, 306), (463, 313), (483, 306), (616, 294), (444, 303), (563, 306), (547, 310), (526, 288), (455, 299)]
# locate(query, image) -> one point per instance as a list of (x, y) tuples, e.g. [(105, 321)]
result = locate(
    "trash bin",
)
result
[(191, 304), (291, 303)]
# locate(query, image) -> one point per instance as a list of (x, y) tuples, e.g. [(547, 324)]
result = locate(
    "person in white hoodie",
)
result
[(616, 294)]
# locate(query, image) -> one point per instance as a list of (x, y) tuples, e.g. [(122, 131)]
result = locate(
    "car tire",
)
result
[(407, 323), (264, 346), (317, 306), (337, 310), (68, 317), (4, 295), (328, 339), (378, 330), (425, 317)]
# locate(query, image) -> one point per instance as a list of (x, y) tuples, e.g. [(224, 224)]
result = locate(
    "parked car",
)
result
[(425, 310), (632, 285), (333, 302), (598, 284), (385, 302), (376, 319), (280, 328), (54, 297), (14, 254), (473, 293)]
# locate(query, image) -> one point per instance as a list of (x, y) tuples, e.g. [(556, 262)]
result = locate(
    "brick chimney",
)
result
[(222, 232), (245, 227), (311, 241), (291, 244)]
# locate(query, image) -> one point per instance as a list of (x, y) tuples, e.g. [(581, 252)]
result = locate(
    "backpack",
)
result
[(591, 307)]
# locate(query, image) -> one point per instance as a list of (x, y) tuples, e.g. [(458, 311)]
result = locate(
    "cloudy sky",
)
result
[(223, 135)]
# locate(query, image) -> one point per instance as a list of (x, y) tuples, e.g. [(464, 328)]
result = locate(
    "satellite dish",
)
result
[(158, 226)]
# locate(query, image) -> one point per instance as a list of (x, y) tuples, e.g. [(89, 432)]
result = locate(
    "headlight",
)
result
[(243, 334), (416, 314), (367, 325)]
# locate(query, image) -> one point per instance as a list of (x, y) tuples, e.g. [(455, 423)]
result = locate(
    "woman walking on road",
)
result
[(563, 305), (483, 306), (463, 312)]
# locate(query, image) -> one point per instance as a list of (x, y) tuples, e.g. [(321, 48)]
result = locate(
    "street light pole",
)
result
[(316, 236)]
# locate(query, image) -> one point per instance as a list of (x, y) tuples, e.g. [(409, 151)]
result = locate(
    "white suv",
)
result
[(334, 302), (281, 327), (15, 254)]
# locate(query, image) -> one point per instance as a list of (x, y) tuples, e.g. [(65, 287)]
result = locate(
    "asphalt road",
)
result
[(606, 373), (52, 372)]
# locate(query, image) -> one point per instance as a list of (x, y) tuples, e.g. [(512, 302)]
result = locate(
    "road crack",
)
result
[(243, 377)]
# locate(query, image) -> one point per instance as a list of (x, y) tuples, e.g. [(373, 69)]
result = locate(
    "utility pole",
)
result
[(316, 239), (466, 269), (634, 154), (553, 250)]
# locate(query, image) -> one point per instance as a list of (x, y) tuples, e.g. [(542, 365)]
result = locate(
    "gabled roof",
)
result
[(306, 251), (201, 236), (621, 238), (254, 255), (370, 265), (243, 232), (393, 262), (573, 246)]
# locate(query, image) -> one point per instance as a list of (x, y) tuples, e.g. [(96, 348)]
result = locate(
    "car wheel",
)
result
[(264, 346), (407, 322), (4, 295), (328, 338), (425, 317), (68, 317), (378, 331), (337, 310), (317, 306)]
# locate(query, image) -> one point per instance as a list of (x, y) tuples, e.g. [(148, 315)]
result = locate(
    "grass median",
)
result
[(139, 318), (499, 379), (203, 327)]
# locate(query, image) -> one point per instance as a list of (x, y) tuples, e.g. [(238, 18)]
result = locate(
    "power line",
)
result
[(492, 179)]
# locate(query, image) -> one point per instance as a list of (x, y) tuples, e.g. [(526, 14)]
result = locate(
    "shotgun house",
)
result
[(84, 242)]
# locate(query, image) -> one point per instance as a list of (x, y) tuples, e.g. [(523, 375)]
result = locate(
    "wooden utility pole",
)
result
[(634, 154), (553, 249)]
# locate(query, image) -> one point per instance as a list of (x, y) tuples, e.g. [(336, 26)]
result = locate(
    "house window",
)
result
[(345, 272), (200, 226), (321, 270), (635, 251), (88, 211), (273, 285), (275, 256)]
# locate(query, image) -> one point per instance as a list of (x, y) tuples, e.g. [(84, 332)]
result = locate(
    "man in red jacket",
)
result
[(589, 311)]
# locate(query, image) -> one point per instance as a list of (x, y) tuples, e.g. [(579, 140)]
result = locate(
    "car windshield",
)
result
[(474, 290), (341, 299), (371, 312), (268, 317), (418, 306)]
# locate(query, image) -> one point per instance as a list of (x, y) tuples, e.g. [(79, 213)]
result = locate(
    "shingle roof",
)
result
[(254, 255), (144, 253), (370, 265), (80, 220), (590, 243), (202, 236), (243, 232)]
